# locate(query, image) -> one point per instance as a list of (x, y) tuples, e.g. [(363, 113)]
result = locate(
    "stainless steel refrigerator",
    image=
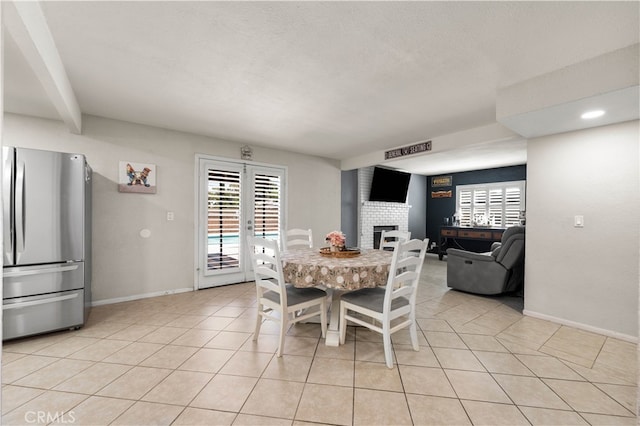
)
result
[(47, 241)]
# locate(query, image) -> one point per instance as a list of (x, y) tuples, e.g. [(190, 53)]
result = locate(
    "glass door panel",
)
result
[(223, 220), (235, 200)]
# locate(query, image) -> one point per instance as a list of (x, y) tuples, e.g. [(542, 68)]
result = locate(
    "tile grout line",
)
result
[(239, 295)]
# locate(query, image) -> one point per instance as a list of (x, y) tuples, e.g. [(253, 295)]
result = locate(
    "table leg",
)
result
[(333, 330)]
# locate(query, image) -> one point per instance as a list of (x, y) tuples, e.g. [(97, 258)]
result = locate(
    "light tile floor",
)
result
[(188, 359)]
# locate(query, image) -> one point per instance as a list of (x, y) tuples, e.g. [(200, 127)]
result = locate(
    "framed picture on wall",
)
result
[(439, 181), (441, 194), (137, 177)]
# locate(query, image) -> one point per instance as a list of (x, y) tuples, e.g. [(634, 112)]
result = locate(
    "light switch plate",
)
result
[(578, 221)]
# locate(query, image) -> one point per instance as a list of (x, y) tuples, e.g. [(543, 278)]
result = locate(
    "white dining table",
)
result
[(309, 268)]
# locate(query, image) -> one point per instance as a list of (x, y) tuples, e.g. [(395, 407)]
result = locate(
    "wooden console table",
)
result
[(449, 236)]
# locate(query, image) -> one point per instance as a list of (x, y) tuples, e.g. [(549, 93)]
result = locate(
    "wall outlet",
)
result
[(170, 216)]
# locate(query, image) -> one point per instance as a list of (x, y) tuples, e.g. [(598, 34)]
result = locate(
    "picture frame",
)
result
[(440, 181), (441, 194), (137, 178)]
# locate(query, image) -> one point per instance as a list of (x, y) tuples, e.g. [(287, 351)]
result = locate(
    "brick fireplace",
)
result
[(377, 233), (377, 213)]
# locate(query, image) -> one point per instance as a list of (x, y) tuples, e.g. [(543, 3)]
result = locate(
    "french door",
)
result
[(235, 200)]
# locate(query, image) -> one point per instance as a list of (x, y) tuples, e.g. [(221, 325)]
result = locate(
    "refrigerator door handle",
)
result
[(39, 271), (20, 219), (7, 198), (21, 305)]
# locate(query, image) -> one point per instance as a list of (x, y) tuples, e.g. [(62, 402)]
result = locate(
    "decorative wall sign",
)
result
[(137, 177), (408, 150), (441, 194), (438, 181)]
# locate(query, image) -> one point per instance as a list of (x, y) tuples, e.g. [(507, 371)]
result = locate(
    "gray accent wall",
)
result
[(349, 206), (418, 202), (350, 210)]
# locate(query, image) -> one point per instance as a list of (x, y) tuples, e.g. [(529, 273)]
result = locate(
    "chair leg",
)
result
[(386, 338), (283, 329), (413, 331), (259, 319)]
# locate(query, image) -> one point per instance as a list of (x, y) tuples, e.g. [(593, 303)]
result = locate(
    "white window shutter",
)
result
[(498, 204), (464, 206), (223, 216)]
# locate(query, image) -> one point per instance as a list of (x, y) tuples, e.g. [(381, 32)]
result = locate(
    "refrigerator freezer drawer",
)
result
[(26, 316), (22, 281)]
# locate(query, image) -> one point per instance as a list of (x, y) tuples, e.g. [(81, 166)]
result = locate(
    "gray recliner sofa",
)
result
[(499, 271)]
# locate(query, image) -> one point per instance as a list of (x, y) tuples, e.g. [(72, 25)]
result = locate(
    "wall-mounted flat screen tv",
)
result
[(389, 185)]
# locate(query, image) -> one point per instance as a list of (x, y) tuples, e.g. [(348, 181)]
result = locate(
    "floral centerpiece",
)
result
[(336, 240)]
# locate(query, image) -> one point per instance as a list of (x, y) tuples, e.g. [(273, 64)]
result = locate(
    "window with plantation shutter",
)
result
[(491, 204), (496, 206), (267, 208), (514, 204), (479, 204), (223, 218), (464, 205), (236, 200)]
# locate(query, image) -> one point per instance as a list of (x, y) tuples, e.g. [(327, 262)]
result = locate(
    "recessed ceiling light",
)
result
[(592, 114)]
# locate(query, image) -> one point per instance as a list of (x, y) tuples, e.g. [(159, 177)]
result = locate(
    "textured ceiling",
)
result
[(334, 79)]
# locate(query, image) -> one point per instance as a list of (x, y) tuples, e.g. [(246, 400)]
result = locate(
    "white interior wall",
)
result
[(587, 276), (124, 264), (584, 276)]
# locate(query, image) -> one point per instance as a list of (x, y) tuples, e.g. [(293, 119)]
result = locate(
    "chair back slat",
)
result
[(267, 278), (297, 238), (400, 236), (391, 309), (274, 295), (267, 267), (404, 273)]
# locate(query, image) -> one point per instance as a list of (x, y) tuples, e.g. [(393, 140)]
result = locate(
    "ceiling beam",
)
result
[(553, 103), (464, 139), (28, 27)]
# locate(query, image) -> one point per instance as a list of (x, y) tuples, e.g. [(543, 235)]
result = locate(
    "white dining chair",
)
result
[(394, 303), (389, 239), (278, 301), (297, 238)]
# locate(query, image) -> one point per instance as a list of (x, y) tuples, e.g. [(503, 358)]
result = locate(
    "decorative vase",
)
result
[(333, 248)]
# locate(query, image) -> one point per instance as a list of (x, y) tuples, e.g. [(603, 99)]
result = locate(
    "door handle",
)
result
[(7, 198), (20, 212), (39, 271), (20, 305)]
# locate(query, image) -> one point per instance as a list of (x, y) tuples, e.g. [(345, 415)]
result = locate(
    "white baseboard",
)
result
[(585, 327), (140, 296)]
